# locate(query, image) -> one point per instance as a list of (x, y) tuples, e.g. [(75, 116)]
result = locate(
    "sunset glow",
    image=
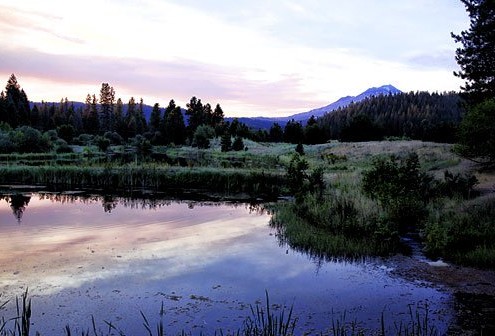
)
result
[(253, 57)]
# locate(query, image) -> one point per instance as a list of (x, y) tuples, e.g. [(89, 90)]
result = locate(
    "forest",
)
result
[(104, 121)]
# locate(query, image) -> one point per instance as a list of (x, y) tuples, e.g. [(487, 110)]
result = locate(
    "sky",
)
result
[(253, 57)]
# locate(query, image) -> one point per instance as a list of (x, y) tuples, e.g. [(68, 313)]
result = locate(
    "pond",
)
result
[(203, 264)]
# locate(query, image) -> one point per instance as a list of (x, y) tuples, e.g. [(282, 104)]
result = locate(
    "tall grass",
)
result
[(463, 232), (156, 177)]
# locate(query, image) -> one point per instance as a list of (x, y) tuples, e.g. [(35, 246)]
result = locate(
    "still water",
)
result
[(111, 258)]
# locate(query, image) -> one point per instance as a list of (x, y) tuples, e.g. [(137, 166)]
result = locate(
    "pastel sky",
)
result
[(254, 57)]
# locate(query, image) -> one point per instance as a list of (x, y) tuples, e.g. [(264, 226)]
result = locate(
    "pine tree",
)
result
[(155, 118), (91, 121), (174, 128), (17, 103), (218, 116), (476, 57), (3, 108), (107, 103), (477, 61), (226, 142), (238, 144), (130, 119), (276, 133), (119, 117), (196, 115)]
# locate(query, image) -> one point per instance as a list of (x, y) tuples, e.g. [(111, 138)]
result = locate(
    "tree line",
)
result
[(415, 115), (108, 120)]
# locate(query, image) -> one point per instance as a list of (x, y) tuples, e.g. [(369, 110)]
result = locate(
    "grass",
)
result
[(462, 232), (128, 177)]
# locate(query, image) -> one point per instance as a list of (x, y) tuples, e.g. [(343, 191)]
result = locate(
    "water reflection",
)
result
[(78, 261), (19, 201), (18, 204)]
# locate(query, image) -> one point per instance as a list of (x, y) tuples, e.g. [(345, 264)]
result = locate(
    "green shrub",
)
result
[(400, 186), (463, 234)]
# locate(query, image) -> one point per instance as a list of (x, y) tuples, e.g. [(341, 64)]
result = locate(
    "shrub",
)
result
[(464, 235), (202, 136), (238, 144), (401, 187)]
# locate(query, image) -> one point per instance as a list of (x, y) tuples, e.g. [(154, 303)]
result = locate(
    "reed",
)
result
[(128, 177)]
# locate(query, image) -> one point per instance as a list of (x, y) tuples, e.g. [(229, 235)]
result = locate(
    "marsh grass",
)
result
[(256, 182)]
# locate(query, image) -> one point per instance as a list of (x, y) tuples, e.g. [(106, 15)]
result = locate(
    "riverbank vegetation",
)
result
[(350, 200)]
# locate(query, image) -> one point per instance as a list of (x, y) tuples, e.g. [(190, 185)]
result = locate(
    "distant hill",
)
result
[(416, 115), (266, 123)]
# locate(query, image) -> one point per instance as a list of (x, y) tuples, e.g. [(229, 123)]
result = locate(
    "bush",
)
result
[(114, 138), (477, 132), (102, 143), (238, 144), (66, 132), (401, 187), (84, 139), (202, 136), (61, 146), (29, 140), (464, 235)]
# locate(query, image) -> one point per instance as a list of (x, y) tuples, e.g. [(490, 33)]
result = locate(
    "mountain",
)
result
[(266, 123)]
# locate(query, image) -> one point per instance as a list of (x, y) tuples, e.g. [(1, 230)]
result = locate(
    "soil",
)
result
[(473, 291)]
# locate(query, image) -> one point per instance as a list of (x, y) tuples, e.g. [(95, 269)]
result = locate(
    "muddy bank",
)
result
[(473, 291)]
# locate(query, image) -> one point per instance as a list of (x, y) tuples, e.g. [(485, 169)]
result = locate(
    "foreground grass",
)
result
[(264, 321)]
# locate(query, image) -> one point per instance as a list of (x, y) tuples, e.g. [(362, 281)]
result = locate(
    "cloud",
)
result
[(254, 57), (161, 80)]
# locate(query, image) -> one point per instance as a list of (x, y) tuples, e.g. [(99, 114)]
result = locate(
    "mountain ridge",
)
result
[(267, 122)]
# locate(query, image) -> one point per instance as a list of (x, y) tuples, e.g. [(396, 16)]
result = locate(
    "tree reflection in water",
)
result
[(18, 204), (19, 201)]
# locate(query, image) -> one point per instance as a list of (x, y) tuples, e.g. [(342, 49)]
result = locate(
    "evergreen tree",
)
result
[(226, 142), (174, 126), (130, 119), (476, 57), (313, 133), (141, 125), (477, 132), (300, 149), (276, 133), (119, 117), (3, 108), (91, 121), (35, 117), (155, 118), (17, 104), (107, 103), (238, 144), (217, 117), (477, 61), (293, 132), (195, 114)]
